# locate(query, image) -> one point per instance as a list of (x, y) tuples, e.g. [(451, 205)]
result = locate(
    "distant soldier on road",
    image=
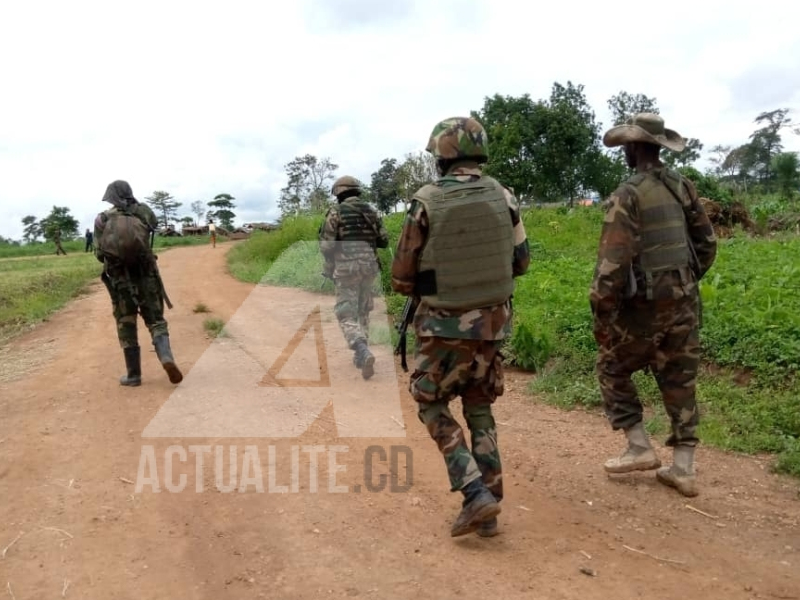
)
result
[(130, 274), (348, 239), (461, 247), (89, 240), (656, 244), (57, 242)]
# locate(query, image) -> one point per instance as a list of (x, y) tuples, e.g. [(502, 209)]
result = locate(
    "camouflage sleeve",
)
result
[(383, 236), (701, 231), (409, 247), (99, 225), (618, 240), (328, 233), (522, 254)]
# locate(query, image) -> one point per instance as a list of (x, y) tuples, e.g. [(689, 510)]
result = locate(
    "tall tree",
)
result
[(386, 191), (165, 206), (572, 136), (416, 170), (222, 209), (787, 170), (60, 219), (32, 229), (308, 185), (514, 129), (687, 157), (198, 209), (766, 142)]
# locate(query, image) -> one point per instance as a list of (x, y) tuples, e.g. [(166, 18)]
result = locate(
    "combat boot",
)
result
[(639, 456), (164, 352), (479, 507), (133, 364), (364, 359), (681, 474)]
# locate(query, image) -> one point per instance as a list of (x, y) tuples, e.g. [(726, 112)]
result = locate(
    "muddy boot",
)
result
[(489, 528), (364, 359), (164, 353), (479, 506), (681, 474), (639, 455), (133, 363)]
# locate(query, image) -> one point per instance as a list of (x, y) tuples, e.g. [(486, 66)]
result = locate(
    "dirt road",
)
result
[(72, 524)]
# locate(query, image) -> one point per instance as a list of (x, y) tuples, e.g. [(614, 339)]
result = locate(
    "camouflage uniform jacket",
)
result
[(490, 323), (616, 256), (344, 258), (141, 210)]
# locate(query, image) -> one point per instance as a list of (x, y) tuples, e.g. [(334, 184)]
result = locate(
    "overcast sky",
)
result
[(202, 98)]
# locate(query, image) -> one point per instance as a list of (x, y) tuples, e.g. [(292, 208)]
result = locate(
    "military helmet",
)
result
[(459, 138), (345, 183)]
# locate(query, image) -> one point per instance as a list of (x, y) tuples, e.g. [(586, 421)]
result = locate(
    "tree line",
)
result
[(550, 150), (164, 205)]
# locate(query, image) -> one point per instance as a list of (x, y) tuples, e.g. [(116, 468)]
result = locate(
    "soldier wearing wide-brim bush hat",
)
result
[(645, 127), (656, 244)]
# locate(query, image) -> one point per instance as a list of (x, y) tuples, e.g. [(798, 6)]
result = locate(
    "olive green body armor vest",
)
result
[(664, 236), (467, 260), (358, 231)]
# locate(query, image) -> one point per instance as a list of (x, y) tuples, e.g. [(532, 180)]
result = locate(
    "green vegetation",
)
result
[(31, 289), (214, 327), (751, 322)]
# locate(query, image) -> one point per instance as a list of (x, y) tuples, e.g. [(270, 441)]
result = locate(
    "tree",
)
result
[(624, 105), (187, 221), (765, 142), (572, 135), (308, 184), (787, 170), (417, 169), (165, 205), (198, 209), (718, 155), (513, 127), (385, 186), (32, 229), (60, 219), (685, 158), (222, 209)]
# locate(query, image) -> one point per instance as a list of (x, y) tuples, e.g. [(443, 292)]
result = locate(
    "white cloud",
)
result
[(201, 98)]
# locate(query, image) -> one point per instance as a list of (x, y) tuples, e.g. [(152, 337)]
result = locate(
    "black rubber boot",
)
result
[(364, 359), (133, 363), (164, 353), (479, 506)]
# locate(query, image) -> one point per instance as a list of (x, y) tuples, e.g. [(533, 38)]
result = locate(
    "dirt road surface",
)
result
[(72, 524)]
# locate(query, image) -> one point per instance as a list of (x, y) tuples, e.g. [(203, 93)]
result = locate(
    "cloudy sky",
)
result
[(200, 98)]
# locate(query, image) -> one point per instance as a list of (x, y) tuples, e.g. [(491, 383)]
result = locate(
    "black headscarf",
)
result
[(119, 194)]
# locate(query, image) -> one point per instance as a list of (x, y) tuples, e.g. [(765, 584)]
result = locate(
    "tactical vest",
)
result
[(663, 229), (358, 230), (467, 260)]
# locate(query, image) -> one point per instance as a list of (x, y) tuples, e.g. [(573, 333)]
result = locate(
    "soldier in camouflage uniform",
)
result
[(461, 247), (348, 239), (656, 244), (134, 290)]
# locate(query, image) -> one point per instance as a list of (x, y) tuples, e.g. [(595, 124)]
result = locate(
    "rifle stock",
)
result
[(402, 329)]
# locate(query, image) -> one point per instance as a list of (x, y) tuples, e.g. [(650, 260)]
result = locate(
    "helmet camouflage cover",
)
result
[(344, 183), (459, 137)]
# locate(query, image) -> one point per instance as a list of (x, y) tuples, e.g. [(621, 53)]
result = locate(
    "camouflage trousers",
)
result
[(664, 339), (137, 295), (473, 370), (354, 302)]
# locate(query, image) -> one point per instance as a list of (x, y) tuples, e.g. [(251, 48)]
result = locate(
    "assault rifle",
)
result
[(157, 272), (402, 328)]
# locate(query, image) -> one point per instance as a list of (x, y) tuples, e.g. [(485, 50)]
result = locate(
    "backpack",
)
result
[(125, 238)]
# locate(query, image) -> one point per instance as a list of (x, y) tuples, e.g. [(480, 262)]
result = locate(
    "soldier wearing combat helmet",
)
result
[(461, 247), (656, 244), (348, 239)]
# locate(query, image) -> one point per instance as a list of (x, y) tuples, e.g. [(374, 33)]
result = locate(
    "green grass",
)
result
[(214, 327), (31, 289), (751, 323)]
